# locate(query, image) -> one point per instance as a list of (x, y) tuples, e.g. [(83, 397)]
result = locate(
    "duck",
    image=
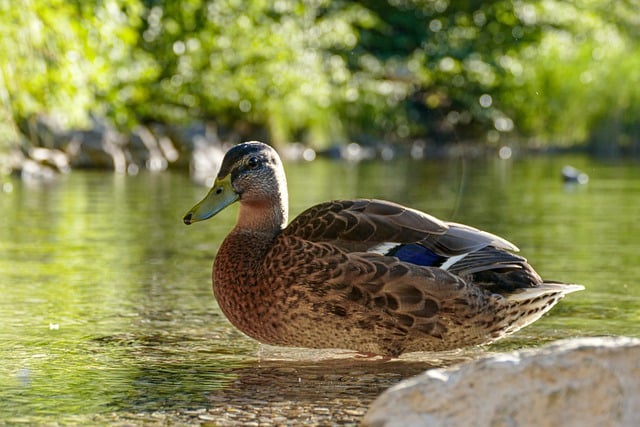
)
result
[(364, 275)]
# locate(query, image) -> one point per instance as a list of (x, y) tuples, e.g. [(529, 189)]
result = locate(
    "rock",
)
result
[(41, 164), (30, 170), (579, 382), (51, 158), (144, 149), (206, 159), (102, 146), (296, 151), (573, 175)]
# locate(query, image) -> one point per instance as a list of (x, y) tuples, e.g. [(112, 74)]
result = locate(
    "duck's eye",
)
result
[(253, 162)]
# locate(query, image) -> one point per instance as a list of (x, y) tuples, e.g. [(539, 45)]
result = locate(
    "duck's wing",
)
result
[(414, 237), (388, 228), (364, 223)]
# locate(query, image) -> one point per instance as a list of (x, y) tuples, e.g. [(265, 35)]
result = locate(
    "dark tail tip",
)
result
[(187, 218)]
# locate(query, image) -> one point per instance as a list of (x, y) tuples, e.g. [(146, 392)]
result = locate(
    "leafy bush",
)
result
[(326, 71)]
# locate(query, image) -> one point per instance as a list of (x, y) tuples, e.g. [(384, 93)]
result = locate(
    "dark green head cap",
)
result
[(236, 153)]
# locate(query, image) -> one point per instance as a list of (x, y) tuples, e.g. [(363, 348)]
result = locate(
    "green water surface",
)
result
[(107, 314)]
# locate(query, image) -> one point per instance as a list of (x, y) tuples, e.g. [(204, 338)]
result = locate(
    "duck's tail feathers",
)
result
[(526, 305), (545, 290)]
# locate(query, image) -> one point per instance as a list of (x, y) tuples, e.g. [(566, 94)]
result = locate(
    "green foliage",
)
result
[(546, 69), (329, 71), (257, 63), (66, 59), (440, 58), (581, 74)]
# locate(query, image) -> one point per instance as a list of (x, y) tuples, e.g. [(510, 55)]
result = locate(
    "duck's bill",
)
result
[(219, 197)]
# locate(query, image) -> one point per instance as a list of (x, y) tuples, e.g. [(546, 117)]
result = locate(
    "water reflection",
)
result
[(333, 391), (107, 314)]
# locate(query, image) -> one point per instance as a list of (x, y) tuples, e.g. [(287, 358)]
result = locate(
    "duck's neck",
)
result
[(265, 212), (268, 217)]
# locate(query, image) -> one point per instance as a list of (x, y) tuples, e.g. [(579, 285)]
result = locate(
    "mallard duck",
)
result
[(366, 275)]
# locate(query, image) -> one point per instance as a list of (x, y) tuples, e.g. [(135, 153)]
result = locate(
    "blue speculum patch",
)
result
[(417, 254)]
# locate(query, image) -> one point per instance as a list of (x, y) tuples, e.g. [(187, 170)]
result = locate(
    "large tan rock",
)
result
[(579, 382)]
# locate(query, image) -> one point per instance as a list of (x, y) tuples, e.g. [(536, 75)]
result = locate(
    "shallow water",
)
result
[(107, 315)]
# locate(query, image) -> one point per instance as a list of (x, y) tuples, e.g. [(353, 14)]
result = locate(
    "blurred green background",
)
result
[(536, 73)]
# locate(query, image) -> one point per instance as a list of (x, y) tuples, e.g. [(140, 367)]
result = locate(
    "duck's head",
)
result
[(252, 174)]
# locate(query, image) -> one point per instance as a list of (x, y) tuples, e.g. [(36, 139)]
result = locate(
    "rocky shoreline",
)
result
[(48, 150), (52, 150)]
